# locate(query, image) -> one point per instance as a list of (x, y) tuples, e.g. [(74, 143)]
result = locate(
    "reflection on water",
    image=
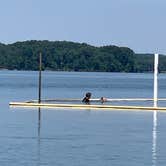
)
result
[(39, 121), (154, 139), (39, 125)]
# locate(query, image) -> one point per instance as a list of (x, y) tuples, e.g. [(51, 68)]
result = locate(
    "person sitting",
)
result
[(87, 97)]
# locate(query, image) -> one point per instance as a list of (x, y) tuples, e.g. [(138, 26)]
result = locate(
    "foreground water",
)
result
[(80, 137)]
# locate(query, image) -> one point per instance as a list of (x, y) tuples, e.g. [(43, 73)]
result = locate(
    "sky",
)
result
[(138, 24)]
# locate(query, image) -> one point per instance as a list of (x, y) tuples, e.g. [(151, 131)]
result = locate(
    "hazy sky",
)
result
[(138, 24)]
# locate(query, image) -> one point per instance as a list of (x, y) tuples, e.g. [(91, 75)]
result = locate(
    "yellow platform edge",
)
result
[(83, 106)]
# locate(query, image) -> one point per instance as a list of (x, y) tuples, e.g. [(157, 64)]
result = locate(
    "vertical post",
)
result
[(39, 100), (40, 69), (156, 57)]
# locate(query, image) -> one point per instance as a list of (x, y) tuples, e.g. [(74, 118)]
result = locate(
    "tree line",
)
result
[(70, 56)]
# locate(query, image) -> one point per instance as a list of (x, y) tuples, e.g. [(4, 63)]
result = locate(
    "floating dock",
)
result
[(88, 106)]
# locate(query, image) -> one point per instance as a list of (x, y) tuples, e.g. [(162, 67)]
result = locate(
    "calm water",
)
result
[(80, 138)]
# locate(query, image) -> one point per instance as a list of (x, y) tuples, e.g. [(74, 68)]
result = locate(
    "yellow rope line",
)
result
[(99, 100)]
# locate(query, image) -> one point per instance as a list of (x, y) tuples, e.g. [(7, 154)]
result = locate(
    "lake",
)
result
[(80, 137)]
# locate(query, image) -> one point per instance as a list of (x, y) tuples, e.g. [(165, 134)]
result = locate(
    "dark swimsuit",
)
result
[(86, 100)]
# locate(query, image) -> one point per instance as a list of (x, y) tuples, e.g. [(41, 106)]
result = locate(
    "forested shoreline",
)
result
[(70, 56)]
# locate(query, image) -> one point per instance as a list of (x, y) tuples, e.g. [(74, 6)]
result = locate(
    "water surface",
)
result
[(80, 137)]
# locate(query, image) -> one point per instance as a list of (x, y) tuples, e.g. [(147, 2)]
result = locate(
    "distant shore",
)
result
[(70, 56)]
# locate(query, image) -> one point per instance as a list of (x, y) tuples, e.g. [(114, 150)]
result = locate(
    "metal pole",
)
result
[(156, 57), (40, 69)]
